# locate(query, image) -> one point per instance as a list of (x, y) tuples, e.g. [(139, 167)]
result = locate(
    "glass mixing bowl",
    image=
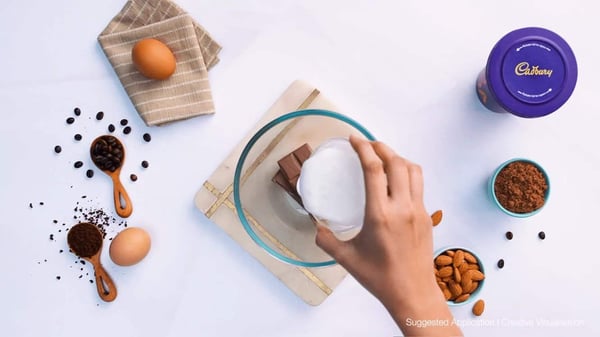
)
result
[(269, 215)]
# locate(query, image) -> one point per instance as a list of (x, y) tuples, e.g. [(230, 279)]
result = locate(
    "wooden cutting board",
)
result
[(215, 200)]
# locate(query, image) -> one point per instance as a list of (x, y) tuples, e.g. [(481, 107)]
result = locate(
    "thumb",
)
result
[(327, 241)]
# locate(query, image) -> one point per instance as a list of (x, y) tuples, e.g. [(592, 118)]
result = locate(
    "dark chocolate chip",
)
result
[(89, 173), (70, 120), (30, 205), (57, 149), (111, 128), (77, 137), (501, 263), (78, 164), (133, 177), (100, 115), (542, 235), (77, 111), (147, 137), (509, 235), (127, 130), (124, 122), (145, 164), (41, 203), (51, 236), (58, 277)]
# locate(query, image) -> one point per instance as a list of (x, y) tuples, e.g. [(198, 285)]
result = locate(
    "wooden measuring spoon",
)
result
[(108, 153), (85, 241)]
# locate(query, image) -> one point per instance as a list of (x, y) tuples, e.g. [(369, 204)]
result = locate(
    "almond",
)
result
[(463, 268), (462, 298), (450, 253), (470, 258), (443, 260), (474, 286), (447, 294), (455, 288), (445, 271), (459, 258), (436, 217), (442, 285), (473, 266), (457, 276), (476, 275), (478, 308), (466, 282), (446, 279), (438, 279)]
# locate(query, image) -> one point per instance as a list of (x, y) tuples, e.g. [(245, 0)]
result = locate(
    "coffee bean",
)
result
[(542, 235), (501, 263), (145, 164), (77, 137), (78, 164), (58, 277), (89, 173), (57, 149), (509, 235), (111, 128), (127, 130), (147, 137), (77, 111), (124, 122), (133, 177), (100, 115), (70, 120)]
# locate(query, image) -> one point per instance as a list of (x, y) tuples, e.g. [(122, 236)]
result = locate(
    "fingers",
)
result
[(330, 243), (375, 179), (416, 182), (397, 172)]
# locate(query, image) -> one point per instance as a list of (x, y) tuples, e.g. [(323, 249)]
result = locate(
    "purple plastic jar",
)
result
[(531, 72)]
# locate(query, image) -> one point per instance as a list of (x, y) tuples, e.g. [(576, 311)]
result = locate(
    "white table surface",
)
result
[(404, 69)]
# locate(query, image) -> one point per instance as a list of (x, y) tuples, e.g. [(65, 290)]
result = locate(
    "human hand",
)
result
[(392, 255)]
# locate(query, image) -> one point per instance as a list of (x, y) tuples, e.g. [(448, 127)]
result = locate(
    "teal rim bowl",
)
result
[(474, 294), (495, 199), (238, 174)]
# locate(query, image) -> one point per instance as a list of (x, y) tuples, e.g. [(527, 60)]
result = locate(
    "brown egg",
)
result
[(153, 59), (130, 246)]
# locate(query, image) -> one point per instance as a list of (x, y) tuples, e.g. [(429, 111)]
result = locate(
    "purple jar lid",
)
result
[(531, 72)]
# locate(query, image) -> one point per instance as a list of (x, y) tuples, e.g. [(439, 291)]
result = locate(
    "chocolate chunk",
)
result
[(509, 235), (542, 235), (147, 137), (289, 170), (57, 149)]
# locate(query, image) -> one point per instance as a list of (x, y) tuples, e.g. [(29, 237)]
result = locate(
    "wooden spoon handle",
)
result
[(104, 284), (123, 204)]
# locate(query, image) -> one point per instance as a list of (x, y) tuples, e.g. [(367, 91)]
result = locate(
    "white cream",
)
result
[(331, 185)]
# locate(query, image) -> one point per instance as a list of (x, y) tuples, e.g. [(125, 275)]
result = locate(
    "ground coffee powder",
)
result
[(84, 239), (520, 187)]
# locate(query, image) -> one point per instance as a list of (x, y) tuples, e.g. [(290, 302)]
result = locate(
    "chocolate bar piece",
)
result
[(289, 170)]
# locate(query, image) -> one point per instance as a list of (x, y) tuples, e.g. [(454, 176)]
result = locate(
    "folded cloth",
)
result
[(187, 92)]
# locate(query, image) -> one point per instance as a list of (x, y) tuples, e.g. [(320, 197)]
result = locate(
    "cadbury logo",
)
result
[(524, 69)]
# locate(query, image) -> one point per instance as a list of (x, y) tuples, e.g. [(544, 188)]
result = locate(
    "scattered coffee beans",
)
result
[(127, 130), (541, 235), (89, 173), (147, 137), (70, 120), (145, 164), (100, 115), (124, 122), (509, 235), (77, 111), (133, 177), (107, 153), (501, 263), (111, 128), (77, 137), (78, 164), (57, 149)]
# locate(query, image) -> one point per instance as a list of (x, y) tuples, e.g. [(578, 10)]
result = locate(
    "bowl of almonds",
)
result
[(459, 274)]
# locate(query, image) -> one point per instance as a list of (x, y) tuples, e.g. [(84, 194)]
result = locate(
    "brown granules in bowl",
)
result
[(520, 187)]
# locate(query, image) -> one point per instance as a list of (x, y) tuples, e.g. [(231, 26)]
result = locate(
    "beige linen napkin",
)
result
[(187, 92)]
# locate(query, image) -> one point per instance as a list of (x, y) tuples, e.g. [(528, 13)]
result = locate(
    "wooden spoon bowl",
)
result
[(108, 154)]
